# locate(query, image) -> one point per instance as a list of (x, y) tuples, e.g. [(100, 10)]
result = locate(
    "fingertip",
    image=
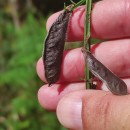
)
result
[(40, 70), (47, 97), (51, 19)]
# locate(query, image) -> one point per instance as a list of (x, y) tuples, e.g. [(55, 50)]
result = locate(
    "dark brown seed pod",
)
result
[(114, 84), (54, 46)]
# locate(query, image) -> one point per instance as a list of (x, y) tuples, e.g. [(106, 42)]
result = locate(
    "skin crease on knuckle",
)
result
[(126, 18), (124, 9)]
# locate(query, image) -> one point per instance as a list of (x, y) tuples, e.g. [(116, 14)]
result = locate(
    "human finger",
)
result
[(50, 96), (109, 20), (113, 54), (94, 110)]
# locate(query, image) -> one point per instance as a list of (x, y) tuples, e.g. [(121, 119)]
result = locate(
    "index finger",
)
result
[(109, 20), (113, 54)]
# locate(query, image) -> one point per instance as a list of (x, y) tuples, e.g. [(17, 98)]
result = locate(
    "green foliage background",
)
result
[(19, 51)]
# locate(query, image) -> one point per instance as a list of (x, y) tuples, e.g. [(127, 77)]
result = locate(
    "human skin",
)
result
[(76, 107)]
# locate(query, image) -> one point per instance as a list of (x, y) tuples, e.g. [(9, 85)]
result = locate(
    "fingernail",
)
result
[(69, 112)]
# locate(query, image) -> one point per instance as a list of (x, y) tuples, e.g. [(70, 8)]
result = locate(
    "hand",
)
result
[(76, 107)]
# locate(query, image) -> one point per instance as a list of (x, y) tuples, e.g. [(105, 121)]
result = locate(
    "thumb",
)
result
[(94, 110)]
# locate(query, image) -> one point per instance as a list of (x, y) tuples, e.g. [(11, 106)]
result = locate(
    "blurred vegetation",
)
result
[(22, 31), (21, 38)]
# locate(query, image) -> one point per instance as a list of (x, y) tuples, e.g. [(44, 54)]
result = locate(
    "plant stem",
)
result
[(77, 4), (87, 39), (87, 35)]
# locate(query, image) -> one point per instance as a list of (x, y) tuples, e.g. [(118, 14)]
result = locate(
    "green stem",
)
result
[(87, 39), (77, 4)]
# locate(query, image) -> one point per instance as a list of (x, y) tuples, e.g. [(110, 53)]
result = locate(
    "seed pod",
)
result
[(54, 46), (114, 84)]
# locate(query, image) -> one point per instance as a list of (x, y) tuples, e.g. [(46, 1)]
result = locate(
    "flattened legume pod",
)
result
[(114, 84), (54, 46)]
